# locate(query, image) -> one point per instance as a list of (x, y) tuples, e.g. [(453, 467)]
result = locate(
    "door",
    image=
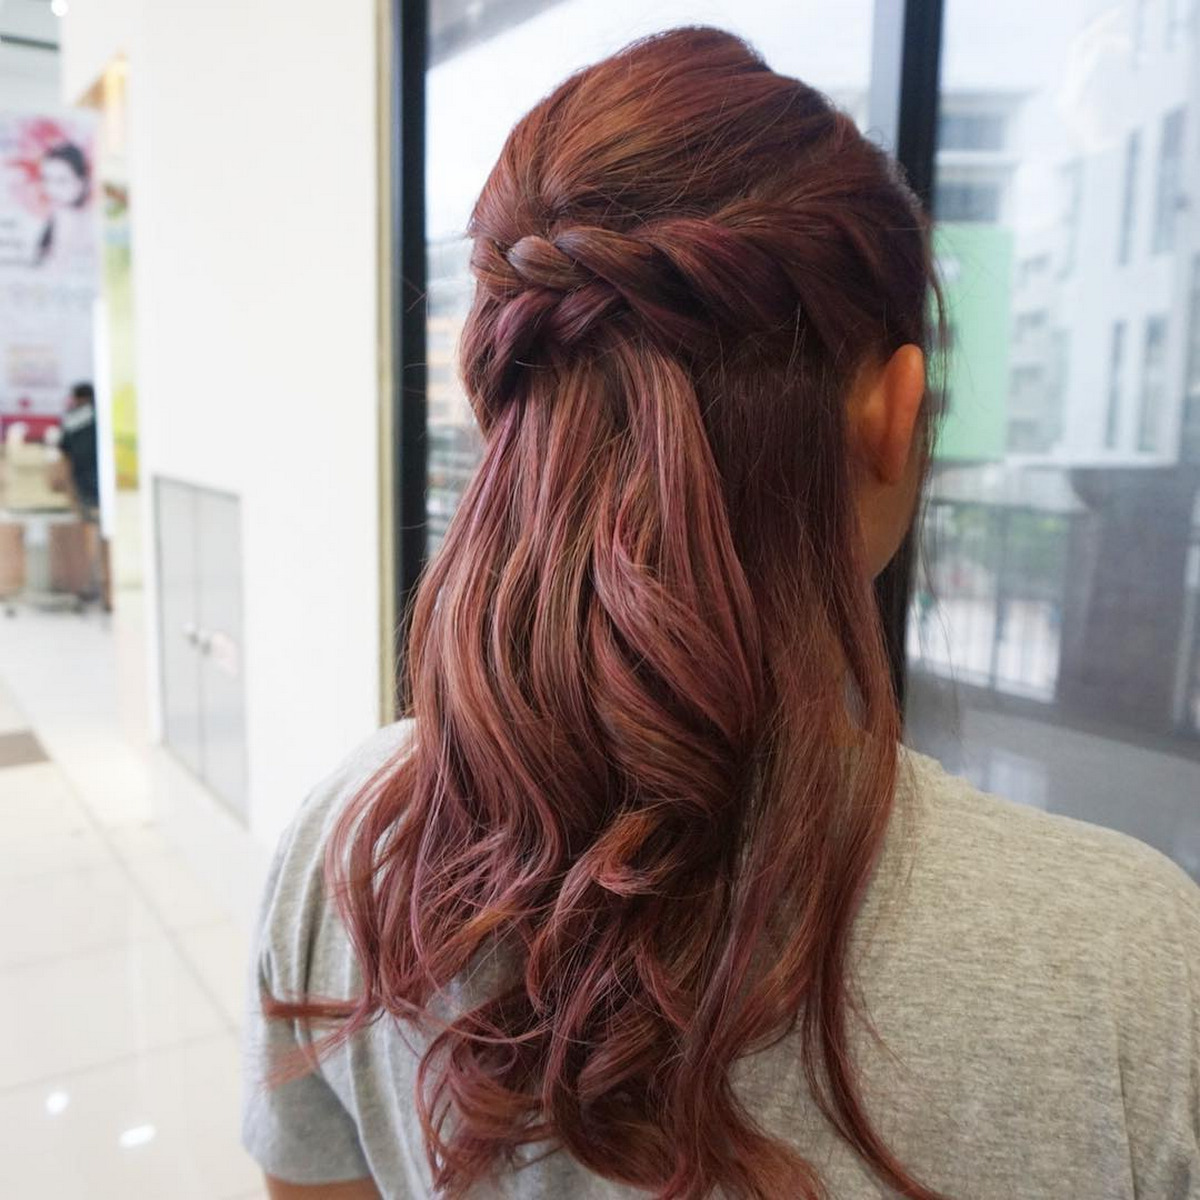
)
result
[(222, 692), (200, 635), (178, 619)]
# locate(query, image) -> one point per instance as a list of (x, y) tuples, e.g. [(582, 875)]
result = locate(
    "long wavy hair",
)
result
[(655, 737)]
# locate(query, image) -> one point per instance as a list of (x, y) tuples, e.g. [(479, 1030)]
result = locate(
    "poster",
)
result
[(49, 262)]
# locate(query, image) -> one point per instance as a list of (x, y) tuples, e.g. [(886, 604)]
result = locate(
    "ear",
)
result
[(885, 415)]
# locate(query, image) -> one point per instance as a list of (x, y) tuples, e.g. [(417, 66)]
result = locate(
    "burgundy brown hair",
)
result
[(655, 737)]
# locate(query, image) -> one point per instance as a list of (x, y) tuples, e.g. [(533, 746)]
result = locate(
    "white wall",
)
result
[(252, 160), (96, 31)]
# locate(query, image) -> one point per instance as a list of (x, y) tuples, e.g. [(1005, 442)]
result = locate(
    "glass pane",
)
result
[(1055, 631), (491, 61)]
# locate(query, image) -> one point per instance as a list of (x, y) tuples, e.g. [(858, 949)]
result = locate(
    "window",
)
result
[(1112, 419), (967, 201), (1133, 152), (1154, 383), (1170, 170), (1059, 535), (1024, 435), (456, 25), (1059, 355), (971, 131), (1029, 270), (1072, 188), (1059, 572), (1027, 382), (1177, 22), (1026, 402), (1140, 22), (1190, 448), (1029, 324), (1026, 406), (1035, 394)]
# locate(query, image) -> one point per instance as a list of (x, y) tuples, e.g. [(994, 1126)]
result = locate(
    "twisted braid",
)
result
[(688, 281)]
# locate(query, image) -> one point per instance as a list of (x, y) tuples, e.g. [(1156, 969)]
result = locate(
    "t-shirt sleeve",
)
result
[(1159, 1036), (297, 1130)]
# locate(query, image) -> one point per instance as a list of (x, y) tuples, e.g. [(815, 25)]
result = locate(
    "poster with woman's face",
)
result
[(49, 260), (48, 191)]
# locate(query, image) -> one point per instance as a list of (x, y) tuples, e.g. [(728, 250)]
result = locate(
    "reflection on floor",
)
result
[(120, 975), (1147, 793)]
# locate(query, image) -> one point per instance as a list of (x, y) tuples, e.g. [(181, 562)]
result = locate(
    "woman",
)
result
[(68, 239), (645, 899)]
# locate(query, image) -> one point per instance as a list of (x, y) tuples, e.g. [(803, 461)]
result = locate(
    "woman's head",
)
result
[(655, 738), (684, 199), (65, 176)]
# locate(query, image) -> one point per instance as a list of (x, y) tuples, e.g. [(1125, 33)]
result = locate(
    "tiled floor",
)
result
[(120, 975)]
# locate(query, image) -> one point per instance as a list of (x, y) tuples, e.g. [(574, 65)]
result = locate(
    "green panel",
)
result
[(976, 264)]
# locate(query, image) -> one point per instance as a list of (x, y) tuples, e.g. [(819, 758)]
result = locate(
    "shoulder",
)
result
[(1015, 846), (295, 919), (325, 802), (1024, 893), (1078, 949)]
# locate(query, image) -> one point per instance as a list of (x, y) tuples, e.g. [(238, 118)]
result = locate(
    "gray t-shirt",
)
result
[(1035, 983)]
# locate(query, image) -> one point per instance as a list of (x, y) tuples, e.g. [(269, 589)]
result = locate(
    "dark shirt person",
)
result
[(79, 448)]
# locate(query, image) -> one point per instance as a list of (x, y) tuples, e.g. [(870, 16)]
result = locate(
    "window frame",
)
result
[(1131, 164), (1168, 179)]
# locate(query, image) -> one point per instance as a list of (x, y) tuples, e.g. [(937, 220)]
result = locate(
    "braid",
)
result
[(691, 282)]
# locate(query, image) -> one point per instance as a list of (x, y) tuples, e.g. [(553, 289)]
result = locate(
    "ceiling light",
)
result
[(59, 8), (57, 1102), (138, 1135)]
